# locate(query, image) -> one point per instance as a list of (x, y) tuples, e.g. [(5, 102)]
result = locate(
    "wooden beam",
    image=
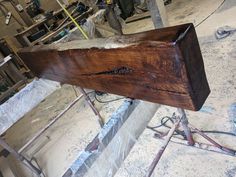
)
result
[(162, 66)]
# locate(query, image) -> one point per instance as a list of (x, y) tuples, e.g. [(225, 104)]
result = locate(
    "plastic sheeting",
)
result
[(110, 160), (104, 155), (25, 100), (232, 115), (75, 34), (89, 27)]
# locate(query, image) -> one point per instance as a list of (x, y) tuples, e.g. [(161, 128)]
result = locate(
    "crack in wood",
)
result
[(116, 71)]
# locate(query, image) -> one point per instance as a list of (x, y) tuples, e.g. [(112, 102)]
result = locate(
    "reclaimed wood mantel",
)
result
[(163, 66)]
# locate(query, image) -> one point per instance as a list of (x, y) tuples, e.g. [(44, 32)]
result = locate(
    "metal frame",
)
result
[(182, 120), (21, 158), (18, 154)]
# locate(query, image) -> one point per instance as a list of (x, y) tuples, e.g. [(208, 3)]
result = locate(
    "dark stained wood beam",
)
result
[(163, 66)]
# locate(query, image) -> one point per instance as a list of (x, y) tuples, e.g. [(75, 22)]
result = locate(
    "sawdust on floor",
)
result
[(216, 114)]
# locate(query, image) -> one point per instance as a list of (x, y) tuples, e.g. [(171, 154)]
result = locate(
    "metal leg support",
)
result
[(100, 120), (213, 142), (163, 147), (187, 130), (184, 124), (20, 157)]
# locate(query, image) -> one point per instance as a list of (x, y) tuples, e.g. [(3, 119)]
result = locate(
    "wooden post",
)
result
[(158, 13), (24, 16)]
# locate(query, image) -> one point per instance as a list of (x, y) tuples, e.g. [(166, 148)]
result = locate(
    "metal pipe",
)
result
[(163, 147), (20, 157), (50, 124), (228, 150), (198, 145), (204, 146), (184, 124), (100, 120)]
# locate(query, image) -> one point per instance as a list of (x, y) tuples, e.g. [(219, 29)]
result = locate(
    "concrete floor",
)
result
[(62, 144)]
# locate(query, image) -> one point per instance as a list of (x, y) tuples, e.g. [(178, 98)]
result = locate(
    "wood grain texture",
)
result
[(163, 66)]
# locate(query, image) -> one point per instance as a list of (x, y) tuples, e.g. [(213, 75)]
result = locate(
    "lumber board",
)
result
[(162, 66)]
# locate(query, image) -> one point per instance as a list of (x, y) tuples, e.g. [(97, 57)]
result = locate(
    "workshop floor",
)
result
[(58, 149), (217, 113)]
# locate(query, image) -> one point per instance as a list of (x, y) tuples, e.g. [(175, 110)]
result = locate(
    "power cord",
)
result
[(97, 93), (210, 14), (106, 101), (167, 119)]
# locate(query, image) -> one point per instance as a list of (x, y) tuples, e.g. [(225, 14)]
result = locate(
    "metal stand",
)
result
[(163, 147), (184, 124), (183, 121), (21, 158), (18, 154), (100, 120)]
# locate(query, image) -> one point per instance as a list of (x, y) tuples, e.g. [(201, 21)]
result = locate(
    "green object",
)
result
[(127, 8), (3, 87), (37, 3)]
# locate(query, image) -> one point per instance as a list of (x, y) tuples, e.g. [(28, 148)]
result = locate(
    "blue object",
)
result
[(207, 109), (232, 113)]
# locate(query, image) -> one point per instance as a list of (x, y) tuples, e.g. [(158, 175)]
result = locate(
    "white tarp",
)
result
[(25, 100)]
